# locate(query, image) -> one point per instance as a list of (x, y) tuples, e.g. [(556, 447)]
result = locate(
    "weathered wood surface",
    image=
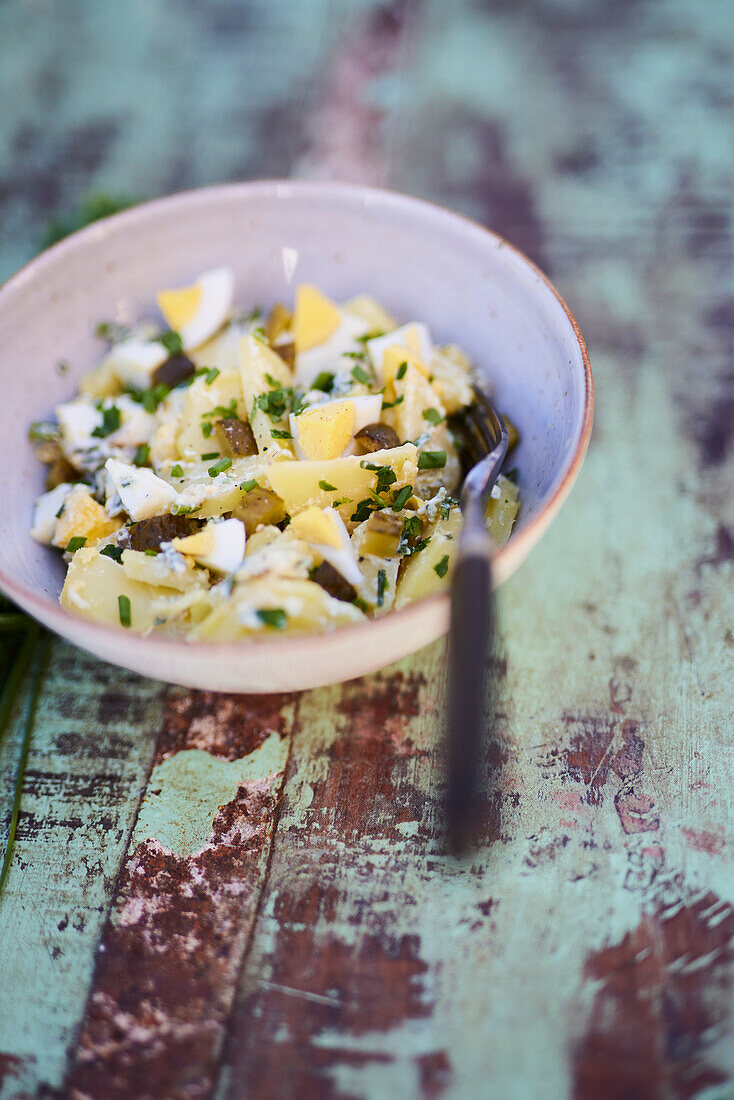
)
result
[(267, 911)]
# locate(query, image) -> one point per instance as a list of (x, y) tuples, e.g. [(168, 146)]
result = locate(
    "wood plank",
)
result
[(166, 967)]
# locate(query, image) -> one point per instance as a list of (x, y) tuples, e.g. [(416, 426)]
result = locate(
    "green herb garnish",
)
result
[(432, 460), (441, 567), (220, 467), (402, 497), (246, 486), (114, 552), (278, 433), (392, 404), (153, 397), (171, 341), (111, 420), (272, 616), (381, 586), (211, 374), (123, 605), (142, 455), (324, 381), (446, 505), (369, 336), (327, 487), (207, 429), (177, 470), (359, 374), (151, 552), (432, 415), (75, 544), (210, 455), (400, 372)]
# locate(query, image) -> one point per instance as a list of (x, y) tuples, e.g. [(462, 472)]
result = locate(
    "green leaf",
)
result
[(211, 375), (111, 420), (220, 467), (177, 470), (432, 415), (273, 616), (247, 486), (125, 611), (381, 586), (400, 372), (441, 567), (114, 552), (402, 497), (75, 544), (323, 381), (360, 375), (142, 455), (327, 487), (432, 460), (171, 341)]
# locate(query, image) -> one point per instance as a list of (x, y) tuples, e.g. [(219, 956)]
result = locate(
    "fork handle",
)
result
[(469, 642)]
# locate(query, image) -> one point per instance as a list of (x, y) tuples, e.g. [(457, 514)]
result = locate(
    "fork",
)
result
[(472, 618)]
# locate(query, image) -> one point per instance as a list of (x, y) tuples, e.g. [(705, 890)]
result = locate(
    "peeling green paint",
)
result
[(187, 790)]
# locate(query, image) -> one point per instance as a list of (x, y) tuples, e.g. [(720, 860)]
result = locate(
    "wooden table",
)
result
[(232, 896)]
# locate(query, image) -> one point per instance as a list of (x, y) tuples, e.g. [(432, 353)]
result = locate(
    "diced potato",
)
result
[(308, 608), (201, 398), (369, 310), (207, 496), (451, 378), (101, 382), (420, 578), (430, 481), (220, 351), (156, 570), (257, 360), (501, 513), (298, 483), (93, 584), (418, 396), (82, 517)]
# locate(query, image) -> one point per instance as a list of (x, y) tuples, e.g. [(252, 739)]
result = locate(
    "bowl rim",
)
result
[(505, 561)]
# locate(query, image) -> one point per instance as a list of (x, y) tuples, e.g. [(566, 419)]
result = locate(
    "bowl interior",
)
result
[(420, 261)]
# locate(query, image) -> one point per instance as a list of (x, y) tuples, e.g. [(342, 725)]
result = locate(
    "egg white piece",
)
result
[(142, 493), (343, 558), (133, 361), (402, 337), (220, 545), (45, 512), (212, 310), (367, 410), (77, 420), (327, 356)]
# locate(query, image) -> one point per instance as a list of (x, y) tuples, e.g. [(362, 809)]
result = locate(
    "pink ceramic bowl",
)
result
[(421, 261)]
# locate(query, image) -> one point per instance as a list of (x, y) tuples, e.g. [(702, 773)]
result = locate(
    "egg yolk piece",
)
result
[(324, 431), (394, 357), (316, 526), (179, 307), (316, 318)]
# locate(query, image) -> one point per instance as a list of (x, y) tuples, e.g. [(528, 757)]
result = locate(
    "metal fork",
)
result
[(472, 618)]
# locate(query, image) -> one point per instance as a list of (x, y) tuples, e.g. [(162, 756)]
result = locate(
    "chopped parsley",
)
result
[(359, 374), (224, 412), (177, 470), (247, 486), (75, 544), (392, 404), (278, 433), (111, 420), (386, 476), (142, 455), (206, 429), (123, 604), (210, 455), (151, 552), (171, 341), (400, 372), (432, 460), (211, 375), (327, 487), (432, 415), (272, 616), (153, 397), (220, 467), (441, 567), (402, 497), (324, 382), (381, 586), (446, 505), (410, 539), (114, 552)]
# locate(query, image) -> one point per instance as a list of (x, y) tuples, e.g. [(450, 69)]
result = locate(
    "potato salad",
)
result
[(235, 473)]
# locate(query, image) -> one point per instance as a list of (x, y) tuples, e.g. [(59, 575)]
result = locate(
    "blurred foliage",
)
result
[(93, 207)]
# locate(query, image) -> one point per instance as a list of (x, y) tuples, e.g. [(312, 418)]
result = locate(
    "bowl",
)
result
[(421, 261)]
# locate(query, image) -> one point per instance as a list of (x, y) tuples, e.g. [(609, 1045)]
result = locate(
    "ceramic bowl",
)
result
[(421, 261)]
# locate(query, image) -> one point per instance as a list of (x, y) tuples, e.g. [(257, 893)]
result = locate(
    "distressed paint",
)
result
[(585, 950)]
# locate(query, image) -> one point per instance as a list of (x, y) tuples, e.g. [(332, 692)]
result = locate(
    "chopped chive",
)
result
[(153, 397), (323, 381), (207, 429), (432, 415), (61, 511), (360, 375), (184, 509), (114, 552), (220, 467), (246, 486), (177, 470), (432, 460), (400, 372), (171, 341), (211, 374), (123, 604), (441, 567), (111, 420), (402, 497), (392, 404), (142, 455), (277, 433), (272, 616), (381, 586), (369, 336), (210, 455), (75, 544), (151, 552), (327, 487)]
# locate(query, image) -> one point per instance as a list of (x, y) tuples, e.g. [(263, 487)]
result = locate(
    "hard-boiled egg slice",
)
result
[(197, 311), (133, 361), (46, 510), (77, 420), (415, 337), (326, 431), (220, 546), (324, 530), (328, 355), (315, 318), (142, 493)]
